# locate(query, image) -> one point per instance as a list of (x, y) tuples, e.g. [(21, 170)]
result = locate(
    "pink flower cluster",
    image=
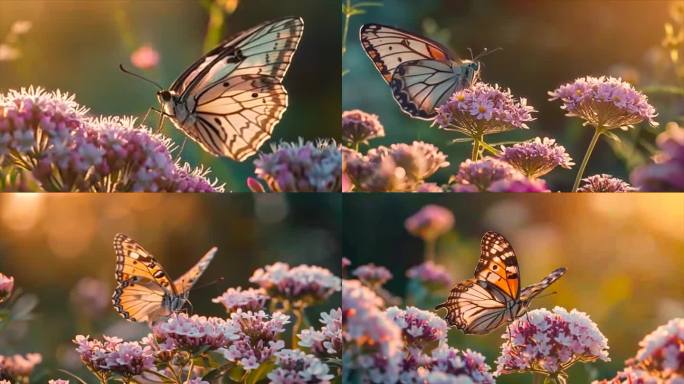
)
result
[(431, 275), (238, 299), (667, 173), (604, 183), (18, 366), (550, 342), (397, 168), (114, 356), (192, 333), (634, 376), (493, 175), (536, 158), (449, 365), (372, 274), (373, 343), (358, 127), (6, 287), (605, 102), (300, 167), (326, 342), (483, 109), (302, 285), (297, 367), (255, 337), (431, 222), (50, 135), (420, 329)]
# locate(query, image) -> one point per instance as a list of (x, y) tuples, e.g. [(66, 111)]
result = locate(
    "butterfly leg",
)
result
[(185, 140), (161, 121)]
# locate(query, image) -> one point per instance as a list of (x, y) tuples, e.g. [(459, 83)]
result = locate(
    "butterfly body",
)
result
[(493, 297), (230, 100), (421, 73), (144, 292)]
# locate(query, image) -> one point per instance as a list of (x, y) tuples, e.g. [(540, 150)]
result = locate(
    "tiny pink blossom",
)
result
[(256, 337), (431, 275), (6, 287), (249, 299), (431, 222), (145, 57)]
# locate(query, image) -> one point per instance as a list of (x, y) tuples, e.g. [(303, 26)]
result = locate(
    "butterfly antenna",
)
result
[(209, 284), (547, 294), (126, 71), (471, 54), (486, 52)]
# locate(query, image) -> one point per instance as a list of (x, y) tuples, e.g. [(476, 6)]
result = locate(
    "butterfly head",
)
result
[(472, 70), (172, 105)]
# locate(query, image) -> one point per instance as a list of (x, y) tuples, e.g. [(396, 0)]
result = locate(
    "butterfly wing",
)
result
[(529, 292), (141, 281), (422, 85), (498, 264), (184, 283), (235, 91), (476, 307), (389, 47)]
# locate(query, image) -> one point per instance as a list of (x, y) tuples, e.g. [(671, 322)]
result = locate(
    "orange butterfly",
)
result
[(421, 73), (493, 297)]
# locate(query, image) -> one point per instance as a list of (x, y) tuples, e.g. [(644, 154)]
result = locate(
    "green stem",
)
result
[(587, 155), (345, 30), (299, 319), (430, 249), (476, 148)]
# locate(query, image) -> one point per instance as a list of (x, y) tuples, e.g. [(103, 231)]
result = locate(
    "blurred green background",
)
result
[(545, 44), (77, 46), (624, 254), (51, 243)]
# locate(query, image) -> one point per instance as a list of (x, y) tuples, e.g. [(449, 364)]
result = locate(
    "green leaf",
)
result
[(260, 373), (236, 373)]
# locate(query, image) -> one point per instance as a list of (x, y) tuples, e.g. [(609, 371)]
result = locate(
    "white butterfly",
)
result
[(230, 100), (422, 73), (144, 292)]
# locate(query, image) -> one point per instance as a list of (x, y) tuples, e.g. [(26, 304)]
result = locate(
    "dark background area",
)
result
[(76, 46), (544, 44), (50, 243), (623, 253)]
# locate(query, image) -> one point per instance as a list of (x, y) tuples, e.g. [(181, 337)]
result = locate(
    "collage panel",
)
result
[(502, 96), (567, 288), (248, 91), (169, 289)]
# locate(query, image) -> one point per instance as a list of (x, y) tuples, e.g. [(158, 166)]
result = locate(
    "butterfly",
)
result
[(422, 73), (493, 297), (230, 100), (144, 291)]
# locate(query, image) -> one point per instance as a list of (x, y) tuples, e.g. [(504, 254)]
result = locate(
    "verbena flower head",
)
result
[(478, 176), (255, 337), (604, 183), (192, 333), (297, 367), (397, 168), (536, 158), (420, 329), (661, 352), (373, 342), (19, 366), (667, 173), (91, 297), (550, 342), (431, 275), (326, 342), (431, 222), (250, 299), (49, 134), (302, 167), (631, 375), (461, 365), (605, 102), (114, 356), (483, 109), (6, 287), (518, 185), (302, 285), (372, 274), (358, 127)]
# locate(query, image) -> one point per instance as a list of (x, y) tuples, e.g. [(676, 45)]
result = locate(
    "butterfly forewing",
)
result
[(498, 264), (234, 93)]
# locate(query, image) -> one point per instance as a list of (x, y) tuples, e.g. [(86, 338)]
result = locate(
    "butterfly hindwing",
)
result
[(422, 85), (498, 264), (235, 92), (189, 278)]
